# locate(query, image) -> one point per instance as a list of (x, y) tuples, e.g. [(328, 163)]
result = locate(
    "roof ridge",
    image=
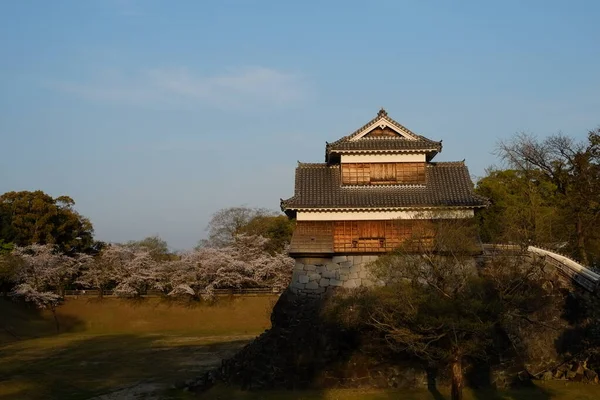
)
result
[(382, 114), (447, 164), (390, 186), (311, 165)]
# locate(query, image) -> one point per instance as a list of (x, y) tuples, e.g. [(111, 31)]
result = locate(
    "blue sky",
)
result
[(152, 115)]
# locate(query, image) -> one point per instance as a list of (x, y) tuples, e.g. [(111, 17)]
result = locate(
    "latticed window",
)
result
[(355, 174), (383, 173), (372, 236)]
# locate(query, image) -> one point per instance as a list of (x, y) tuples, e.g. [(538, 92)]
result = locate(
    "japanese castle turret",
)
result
[(376, 186)]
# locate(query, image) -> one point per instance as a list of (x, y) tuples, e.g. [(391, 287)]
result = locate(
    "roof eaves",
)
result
[(377, 209)]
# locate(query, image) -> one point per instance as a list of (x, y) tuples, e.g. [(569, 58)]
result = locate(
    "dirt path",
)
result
[(194, 363)]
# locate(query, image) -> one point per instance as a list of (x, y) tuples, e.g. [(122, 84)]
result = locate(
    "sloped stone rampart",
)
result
[(314, 276)]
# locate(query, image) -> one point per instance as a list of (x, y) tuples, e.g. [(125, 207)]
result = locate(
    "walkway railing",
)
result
[(568, 267)]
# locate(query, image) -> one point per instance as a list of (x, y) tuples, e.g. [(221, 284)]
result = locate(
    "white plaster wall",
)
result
[(382, 158), (381, 215)]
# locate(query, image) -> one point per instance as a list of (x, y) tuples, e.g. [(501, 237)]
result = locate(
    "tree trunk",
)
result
[(53, 309), (457, 378)]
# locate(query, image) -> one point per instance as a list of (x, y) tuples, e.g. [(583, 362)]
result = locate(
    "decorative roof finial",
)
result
[(382, 113)]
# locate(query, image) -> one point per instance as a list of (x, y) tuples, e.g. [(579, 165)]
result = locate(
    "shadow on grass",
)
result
[(71, 367), (22, 320), (528, 392), (222, 392), (431, 384)]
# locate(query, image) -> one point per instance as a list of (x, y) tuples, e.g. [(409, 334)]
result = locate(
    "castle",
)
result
[(376, 187)]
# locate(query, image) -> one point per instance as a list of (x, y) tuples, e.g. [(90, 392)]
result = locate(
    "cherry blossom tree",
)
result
[(43, 275), (132, 270), (99, 272), (41, 299), (43, 267), (245, 263), (136, 273)]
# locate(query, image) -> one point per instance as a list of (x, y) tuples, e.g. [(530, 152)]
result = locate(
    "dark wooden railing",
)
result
[(569, 268)]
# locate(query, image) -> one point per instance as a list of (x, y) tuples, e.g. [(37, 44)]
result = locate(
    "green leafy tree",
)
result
[(158, 247), (277, 228), (35, 217), (524, 209), (227, 223), (574, 169), (9, 268), (5, 248), (433, 303)]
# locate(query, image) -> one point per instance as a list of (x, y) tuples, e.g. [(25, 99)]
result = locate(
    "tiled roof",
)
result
[(448, 184), (411, 142), (386, 145)]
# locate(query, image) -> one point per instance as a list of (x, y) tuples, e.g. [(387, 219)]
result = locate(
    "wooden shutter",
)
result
[(383, 173)]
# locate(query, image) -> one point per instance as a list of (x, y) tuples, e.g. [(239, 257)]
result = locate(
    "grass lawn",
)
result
[(117, 349), (540, 391), (115, 344)]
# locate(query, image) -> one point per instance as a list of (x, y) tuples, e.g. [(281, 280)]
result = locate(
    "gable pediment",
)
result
[(384, 129), (383, 134)]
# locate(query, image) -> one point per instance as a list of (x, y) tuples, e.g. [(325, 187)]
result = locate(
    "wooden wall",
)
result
[(374, 236), (355, 236), (383, 173), (312, 237)]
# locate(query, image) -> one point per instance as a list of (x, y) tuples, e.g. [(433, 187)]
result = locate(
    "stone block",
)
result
[(298, 285), (335, 282), (299, 266), (339, 259), (350, 284), (320, 269), (314, 276), (355, 259), (344, 277), (321, 290), (312, 285), (332, 266), (347, 264), (353, 275), (310, 267), (303, 279), (324, 282), (369, 259), (344, 270), (366, 282), (328, 274), (355, 268), (363, 273), (296, 275)]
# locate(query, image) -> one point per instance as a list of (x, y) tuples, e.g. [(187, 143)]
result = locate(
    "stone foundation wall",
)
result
[(313, 276)]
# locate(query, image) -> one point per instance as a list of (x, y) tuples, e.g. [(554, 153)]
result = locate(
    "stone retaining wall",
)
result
[(314, 276)]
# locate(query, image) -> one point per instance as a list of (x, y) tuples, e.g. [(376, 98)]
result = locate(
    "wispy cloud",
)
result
[(245, 87)]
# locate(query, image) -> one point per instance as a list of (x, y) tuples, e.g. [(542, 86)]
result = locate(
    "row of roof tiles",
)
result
[(448, 184)]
